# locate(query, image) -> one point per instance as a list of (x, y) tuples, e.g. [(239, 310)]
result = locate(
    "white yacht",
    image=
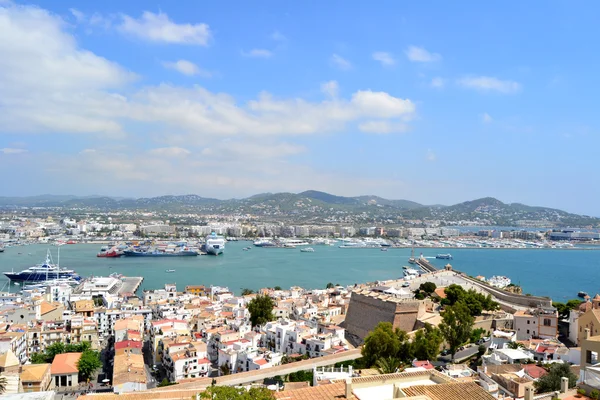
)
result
[(215, 244)]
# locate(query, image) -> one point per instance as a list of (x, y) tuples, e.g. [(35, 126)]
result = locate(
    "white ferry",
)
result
[(215, 244)]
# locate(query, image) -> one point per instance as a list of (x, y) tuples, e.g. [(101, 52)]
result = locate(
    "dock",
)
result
[(425, 265), (130, 285)]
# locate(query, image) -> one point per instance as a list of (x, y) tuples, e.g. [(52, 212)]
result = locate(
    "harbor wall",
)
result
[(517, 299)]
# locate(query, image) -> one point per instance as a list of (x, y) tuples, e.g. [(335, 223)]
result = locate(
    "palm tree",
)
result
[(225, 370), (515, 345), (388, 365), (3, 383)]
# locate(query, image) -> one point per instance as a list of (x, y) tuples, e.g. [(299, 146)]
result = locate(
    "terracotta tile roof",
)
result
[(425, 364), (440, 292), (65, 363), (450, 391), (261, 361), (8, 359), (34, 372), (128, 343), (322, 392), (46, 307), (534, 371)]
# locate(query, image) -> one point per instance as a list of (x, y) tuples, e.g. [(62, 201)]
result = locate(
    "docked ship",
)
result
[(264, 243), (180, 251), (106, 251), (444, 256), (46, 271), (215, 244)]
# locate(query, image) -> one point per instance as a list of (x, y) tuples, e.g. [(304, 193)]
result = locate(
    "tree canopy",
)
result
[(476, 302), (385, 345), (564, 308), (232, 393), (59, 348), (246, 291), (261, 310), (456, 326), (551, 381), (89, 363), (428, 287)]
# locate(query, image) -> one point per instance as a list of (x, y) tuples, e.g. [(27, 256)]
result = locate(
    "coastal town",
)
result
[(102, 336)]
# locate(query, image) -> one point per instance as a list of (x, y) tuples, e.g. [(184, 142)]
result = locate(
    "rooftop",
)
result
[(65, 363), (34, 372)]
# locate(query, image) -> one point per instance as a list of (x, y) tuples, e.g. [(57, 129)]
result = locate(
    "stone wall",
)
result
[(366, 310), (517, 299)]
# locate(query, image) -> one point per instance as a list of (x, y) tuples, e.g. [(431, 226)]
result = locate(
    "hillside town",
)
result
[(195, 336)]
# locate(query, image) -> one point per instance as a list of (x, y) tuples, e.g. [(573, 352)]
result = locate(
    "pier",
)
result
[(425, 265), (130, 285)]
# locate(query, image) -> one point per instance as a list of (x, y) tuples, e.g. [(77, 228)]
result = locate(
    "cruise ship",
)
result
[(215, 244), (42, 272), (171, 250), (264, 243)]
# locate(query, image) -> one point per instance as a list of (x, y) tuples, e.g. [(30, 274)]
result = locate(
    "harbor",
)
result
[(260, 267)]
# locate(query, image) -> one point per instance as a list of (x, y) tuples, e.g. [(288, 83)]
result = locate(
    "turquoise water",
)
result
[(559, 274)]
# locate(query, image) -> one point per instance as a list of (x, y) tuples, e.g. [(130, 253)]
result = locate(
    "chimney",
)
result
[(587, 333), (529, 390), (564, 384), (348, 388)]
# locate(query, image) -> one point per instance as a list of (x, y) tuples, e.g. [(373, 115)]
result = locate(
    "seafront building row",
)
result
[(196, 333)]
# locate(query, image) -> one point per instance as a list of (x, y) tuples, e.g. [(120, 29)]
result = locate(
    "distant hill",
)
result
[(314, 206)]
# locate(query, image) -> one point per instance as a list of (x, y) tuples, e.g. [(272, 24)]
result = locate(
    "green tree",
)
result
[(476, 335), (481, 350), (426, 343), (246, 292), (225, 370), (388, 365), (301, 376), (261, 310), (166, 382), (383, 342), (89, 363), (3, 384), (428, 287), (329, 286), (53, 350), (514, 345), (456, 325), (277, 288), (551, 381), (233, 393), (476, 302), (565, 308), (39, 358)]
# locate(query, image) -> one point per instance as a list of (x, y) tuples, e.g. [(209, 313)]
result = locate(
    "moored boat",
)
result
[(444, 256), (215, 244), (42, 272), (307, 250)]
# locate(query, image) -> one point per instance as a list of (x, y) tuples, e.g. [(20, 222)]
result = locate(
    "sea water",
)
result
[(559, 274)]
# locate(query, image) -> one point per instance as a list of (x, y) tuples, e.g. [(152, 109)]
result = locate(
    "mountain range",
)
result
[(315, 206)]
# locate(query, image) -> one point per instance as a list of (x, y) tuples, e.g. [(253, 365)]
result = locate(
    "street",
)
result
[(466, 353)]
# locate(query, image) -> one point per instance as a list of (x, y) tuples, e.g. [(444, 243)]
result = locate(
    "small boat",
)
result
[(16, 283), (170, 270), (582, 294), (444, 256), (307, 250), (384, 249)]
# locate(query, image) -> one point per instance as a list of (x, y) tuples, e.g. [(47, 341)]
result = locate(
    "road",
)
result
[(260, 375), (464, 354)]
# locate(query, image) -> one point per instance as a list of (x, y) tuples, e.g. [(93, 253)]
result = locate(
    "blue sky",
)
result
[(437, 103)]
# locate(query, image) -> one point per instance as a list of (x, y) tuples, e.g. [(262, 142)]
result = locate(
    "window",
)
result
[(547, 322), (527, 331), (528, 322)]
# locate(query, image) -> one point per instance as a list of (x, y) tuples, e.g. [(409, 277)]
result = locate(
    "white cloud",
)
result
[(258, 53), (340, 62), (170, 152), (48, 83), (382, 127), (437, 82), (386, 59), (486, 118), (187, 68), (382, 105), (278, 37), (159, 28), (10, 150), (419, 54), (330, 88), (79, 16), (490, 84), (431, 155)]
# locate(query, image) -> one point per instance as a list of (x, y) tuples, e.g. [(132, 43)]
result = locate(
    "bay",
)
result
[(556, 273)]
